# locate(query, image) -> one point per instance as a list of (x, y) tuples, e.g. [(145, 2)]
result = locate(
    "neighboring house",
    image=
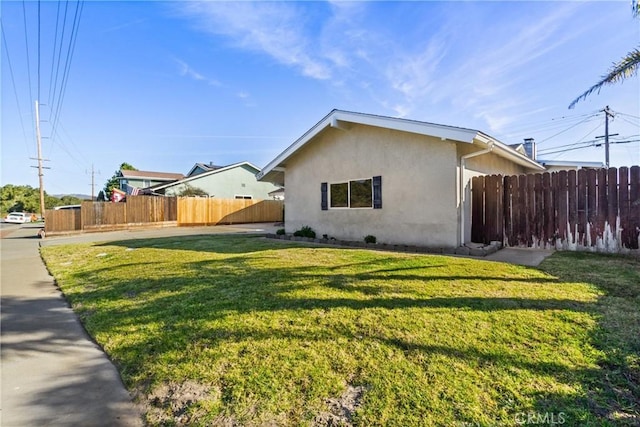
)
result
[(199, 168), (236, 181), (558, 165), (131, 181), (529, 149), (277, 194), (403, 181)]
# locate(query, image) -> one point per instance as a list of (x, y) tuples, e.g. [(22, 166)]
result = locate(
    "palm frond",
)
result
[(626, 67)]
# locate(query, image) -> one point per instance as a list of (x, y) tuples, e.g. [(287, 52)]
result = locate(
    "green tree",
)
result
[(114, 182), (619, 71), (190, 191), (19, 198)]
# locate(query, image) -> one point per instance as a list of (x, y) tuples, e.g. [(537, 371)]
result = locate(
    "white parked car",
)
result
[(18, 217)]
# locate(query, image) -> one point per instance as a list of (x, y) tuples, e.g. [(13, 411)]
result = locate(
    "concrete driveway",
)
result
[(53, 374)]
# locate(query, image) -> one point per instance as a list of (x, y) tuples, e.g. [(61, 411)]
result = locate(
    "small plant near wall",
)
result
[(305, 231), (370, 239), (280, 232)]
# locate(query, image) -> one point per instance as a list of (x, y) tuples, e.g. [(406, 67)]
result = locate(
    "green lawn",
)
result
[(238, 329)]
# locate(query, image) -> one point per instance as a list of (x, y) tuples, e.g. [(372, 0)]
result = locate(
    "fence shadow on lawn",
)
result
[(235, 285)]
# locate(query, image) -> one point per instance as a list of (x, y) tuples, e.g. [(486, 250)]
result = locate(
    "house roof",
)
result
[(211, 172), (571, 163), (207, 167), (342, 119), (155, 176)]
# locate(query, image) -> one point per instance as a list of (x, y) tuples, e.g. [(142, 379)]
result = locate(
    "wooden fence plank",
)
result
[(561, 206), (522, 213), (602, 201), (538, 229), (491, 210), (582, 205), (592, 206), (634, 205), (612, 197), (507, 203), (572, 208), (477, 209), (549, 213), (624, 206)]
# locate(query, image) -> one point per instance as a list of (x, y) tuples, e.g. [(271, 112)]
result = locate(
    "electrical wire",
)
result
[(15, 90), (26, 43), (58, 62), (53, 52), (565, 130), (70, 51)]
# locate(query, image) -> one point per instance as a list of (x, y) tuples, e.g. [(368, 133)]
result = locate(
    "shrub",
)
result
[(305, 231), (369, 239), (280, 232)]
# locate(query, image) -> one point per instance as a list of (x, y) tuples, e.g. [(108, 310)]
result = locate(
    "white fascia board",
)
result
[(411, 126), (571, 163), (340, 119)]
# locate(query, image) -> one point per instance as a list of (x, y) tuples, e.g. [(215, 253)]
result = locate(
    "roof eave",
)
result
[(337, 119)]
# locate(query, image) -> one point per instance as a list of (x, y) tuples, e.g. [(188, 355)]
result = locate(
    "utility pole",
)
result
[(93, 185), (607, 113), (606, 135), (40, 159)]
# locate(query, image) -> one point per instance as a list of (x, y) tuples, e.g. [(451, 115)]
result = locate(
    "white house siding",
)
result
[(419, 181), (227, 184)]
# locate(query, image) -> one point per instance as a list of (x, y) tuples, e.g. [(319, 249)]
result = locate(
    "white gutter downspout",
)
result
[(462, 192)]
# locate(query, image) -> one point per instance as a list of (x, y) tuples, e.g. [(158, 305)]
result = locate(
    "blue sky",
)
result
[(163, 85)]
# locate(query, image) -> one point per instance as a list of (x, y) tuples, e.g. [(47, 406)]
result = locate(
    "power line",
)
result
[(15, 90), (26, 43), (53, 52), (566, 130), (55, 83), (70, 51), (587, 144)]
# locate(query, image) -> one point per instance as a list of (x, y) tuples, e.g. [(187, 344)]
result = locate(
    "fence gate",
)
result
[(590, 208)]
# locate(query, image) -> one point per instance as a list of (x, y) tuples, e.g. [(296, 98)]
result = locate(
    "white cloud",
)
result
[(187, 71), (275, 29)]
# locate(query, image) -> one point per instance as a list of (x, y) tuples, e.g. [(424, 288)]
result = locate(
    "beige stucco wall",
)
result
[(419, 199)]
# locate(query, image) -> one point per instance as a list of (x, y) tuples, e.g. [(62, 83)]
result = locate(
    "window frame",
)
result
[(348, 182)]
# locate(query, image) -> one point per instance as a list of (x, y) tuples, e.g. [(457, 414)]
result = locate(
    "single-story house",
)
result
[(277, 194), (135, 179), (403, 181), (529, 148), (236, 181), (558, 165)]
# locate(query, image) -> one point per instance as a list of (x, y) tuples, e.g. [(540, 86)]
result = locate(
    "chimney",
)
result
[(530, 148)]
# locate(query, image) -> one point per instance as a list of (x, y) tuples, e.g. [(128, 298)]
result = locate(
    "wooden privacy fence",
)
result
[(107, 215), (593, 209), (202, 211)]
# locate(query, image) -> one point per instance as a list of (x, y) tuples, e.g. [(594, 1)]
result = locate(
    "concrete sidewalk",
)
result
[(52, 373)]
